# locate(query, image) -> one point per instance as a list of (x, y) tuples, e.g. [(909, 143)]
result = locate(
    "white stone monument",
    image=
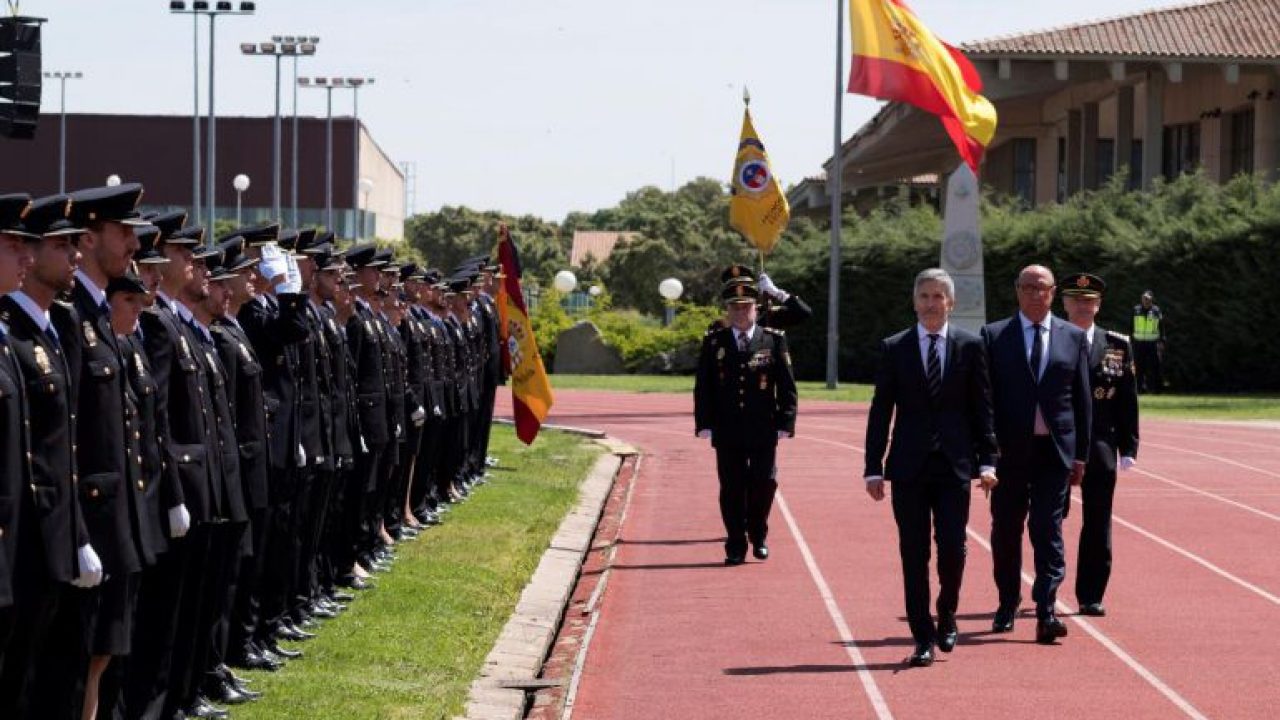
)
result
[(962, 249)]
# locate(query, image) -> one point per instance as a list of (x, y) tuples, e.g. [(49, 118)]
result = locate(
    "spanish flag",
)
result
[(897, 58), (530, 389), (759, 209)]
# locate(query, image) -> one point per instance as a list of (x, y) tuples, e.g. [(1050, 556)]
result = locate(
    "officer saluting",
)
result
[(789, 311), (744, 402), (1115, 430)]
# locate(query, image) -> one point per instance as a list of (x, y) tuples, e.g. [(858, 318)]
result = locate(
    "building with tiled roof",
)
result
[(597, 244), (1161, 92)]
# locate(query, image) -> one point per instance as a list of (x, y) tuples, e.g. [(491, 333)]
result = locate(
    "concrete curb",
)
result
[(515, 661)]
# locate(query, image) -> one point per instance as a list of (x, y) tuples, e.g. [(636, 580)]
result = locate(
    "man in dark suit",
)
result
[(744, 401), (1040, 388), (933, 384), (1115, 432)]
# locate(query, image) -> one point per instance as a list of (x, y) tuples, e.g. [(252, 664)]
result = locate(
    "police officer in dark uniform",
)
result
[(365, 342), (744, 402), (55, 558), (416, 338), (15, 467), (1115, 434)]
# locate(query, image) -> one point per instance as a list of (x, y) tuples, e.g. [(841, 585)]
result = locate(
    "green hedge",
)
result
[(1210, 253)]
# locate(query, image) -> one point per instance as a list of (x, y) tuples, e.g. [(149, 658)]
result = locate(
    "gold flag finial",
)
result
[(746, 96)]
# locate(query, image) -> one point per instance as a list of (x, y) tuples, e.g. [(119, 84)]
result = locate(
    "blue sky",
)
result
[(527, 107)]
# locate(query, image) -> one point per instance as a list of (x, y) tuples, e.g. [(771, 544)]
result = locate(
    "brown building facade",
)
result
[(156, 151)]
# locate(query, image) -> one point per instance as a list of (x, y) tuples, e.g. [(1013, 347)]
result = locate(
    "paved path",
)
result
[(818, 632)]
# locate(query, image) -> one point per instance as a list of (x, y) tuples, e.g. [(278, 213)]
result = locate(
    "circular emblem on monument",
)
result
[(962, 250), (969, 299), (962, 188), (753, 176)]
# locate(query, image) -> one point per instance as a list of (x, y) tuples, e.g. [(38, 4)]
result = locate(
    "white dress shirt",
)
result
[(738, 335), (38, 314), (923, 336), (98, 294)]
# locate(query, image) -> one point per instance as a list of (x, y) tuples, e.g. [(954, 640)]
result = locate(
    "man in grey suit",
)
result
[(1040, 389)]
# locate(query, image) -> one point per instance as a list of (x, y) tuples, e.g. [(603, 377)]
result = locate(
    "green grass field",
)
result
[(1186, 407), (411, 647)]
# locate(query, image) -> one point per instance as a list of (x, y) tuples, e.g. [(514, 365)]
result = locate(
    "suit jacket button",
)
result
[(93, 492), (186, 458), (142, 485)]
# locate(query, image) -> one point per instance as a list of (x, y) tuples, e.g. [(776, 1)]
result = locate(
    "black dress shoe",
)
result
[(923, 655), (220, 691), (1049, 630), (355, 583), (342, 597), (948, 633), (201, 708), (288, 632), (1093, 610), (734, 559), (1003, 621), (323, 612), (760, 552), (274, 648)]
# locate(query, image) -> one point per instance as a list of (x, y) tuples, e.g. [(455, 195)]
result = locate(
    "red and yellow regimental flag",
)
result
[(895, 57), (531, 394)]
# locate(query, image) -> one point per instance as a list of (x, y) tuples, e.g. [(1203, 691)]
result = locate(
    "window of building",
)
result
[(1106, 159), (1181, 149), (1241, 138), (1024, 169)]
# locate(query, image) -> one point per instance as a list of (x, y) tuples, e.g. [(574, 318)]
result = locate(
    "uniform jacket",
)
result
[(249, 408), (364, 339), (272, 330), (100, 455), (1115, 399), (960, 419), (15, 467), (1062, 393), (745, 398), (222, 434), (150, 494), (51, 528), (346, 426)]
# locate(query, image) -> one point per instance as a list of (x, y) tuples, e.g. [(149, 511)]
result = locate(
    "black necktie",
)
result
[(742, 342), (1036, 352), (933, 368)]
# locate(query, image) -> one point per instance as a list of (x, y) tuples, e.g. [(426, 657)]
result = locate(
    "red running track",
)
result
[(818, 631)]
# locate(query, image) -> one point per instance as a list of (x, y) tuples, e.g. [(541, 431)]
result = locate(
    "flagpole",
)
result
[(833, 185)]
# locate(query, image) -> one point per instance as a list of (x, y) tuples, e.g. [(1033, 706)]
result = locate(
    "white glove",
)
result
[(399, 430), (90, 568), (437, 411), (302, 456), (767, 287), (783, 434), (272, 265), (179, 521), (293, 275), (704, 434), (1127, 463), (364, 448), (418, 417)]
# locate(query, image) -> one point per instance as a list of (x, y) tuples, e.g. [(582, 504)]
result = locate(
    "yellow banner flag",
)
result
[(759, 209), (531, 396)]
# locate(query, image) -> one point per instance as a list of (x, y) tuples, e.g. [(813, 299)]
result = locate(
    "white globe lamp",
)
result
[(564, 282)]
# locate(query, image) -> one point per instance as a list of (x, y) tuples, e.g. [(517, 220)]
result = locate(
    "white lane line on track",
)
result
[(833, 609), (872, 690), (1146, 436), (1142, 671), (1152, 679), (1159, 478), (1215, 458)]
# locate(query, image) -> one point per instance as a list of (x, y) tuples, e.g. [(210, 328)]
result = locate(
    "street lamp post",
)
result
[(366, 187), (240, 183), (213, 10), (279, 47), (670, 289), (330, 84), (62, 78)]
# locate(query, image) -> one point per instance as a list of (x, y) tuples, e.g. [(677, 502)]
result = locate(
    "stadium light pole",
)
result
[(62, 78), (279, 47), (313, 41), (355, 84), (213, 10)]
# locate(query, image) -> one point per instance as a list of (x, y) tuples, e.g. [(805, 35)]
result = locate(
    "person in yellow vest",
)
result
[(1148, 343)]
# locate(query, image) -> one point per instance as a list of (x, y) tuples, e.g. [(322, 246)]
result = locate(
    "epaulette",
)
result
[(64, 305), (776, 331), (1117, 336)]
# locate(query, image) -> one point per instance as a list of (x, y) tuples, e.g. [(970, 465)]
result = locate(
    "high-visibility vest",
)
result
[(1146, 326)]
